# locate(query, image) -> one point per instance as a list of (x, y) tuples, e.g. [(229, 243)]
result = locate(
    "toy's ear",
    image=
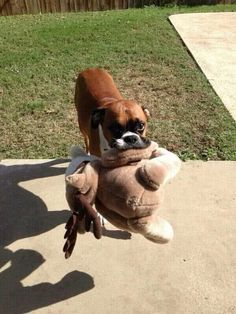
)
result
[(77, 180), (146, 112), (97, 117)]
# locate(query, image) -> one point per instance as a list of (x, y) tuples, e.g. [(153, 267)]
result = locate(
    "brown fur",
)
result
[(96, 89)]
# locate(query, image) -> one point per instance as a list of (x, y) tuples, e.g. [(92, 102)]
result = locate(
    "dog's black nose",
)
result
[(131, 139)]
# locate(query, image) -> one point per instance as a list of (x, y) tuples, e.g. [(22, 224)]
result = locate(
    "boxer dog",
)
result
[(105, 118)]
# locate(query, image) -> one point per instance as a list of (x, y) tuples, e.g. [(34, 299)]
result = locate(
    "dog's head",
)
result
[(121, 124)]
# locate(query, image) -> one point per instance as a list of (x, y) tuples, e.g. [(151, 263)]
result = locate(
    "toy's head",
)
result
[(132, 186), (116, 157)]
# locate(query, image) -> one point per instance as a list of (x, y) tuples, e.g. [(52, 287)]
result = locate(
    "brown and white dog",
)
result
[(105, 118)]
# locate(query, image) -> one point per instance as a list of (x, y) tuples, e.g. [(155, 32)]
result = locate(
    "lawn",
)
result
[(41, 55)]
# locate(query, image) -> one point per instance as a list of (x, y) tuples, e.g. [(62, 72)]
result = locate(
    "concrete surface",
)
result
[(211, 39), (195, 273)]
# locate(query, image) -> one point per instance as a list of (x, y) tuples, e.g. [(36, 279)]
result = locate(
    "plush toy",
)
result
[(126, 187)]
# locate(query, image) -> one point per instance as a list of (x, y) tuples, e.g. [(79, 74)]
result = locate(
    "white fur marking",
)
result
[(121, 144), (103, 142)]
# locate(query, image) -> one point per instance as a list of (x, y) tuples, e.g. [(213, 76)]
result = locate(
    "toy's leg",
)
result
[(154, 228), (103, 220), (81, 226)]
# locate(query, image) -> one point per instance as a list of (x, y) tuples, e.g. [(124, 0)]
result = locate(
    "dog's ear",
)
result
[(97, 117), (107, 101), (146, 112)]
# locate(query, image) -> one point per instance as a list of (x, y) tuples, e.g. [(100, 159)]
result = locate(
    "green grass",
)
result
[(41, 55)]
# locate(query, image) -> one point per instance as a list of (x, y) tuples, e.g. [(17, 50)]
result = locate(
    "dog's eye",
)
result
[(141, 127)]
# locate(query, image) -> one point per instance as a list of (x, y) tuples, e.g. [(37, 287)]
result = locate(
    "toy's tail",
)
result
[(78, 155), (77, 151)]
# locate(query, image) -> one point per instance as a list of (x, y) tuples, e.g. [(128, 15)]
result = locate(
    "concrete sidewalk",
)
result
[(211, 39), (195, 273)]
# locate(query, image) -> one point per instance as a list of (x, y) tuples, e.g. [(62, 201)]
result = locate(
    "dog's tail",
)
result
[(76, 151)]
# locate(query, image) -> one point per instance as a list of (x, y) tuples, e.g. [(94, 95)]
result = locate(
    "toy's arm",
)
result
[(81, 187), (162, 167), (87, 212), (170, 161), (85, 180)]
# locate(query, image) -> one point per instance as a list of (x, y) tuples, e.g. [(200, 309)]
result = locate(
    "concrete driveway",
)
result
[(211, 39), (195, 273)]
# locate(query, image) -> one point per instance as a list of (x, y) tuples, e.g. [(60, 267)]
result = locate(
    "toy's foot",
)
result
[(153, 228), (159, 232)]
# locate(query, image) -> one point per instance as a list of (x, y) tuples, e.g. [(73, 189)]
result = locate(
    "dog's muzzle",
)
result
[(131, 140)]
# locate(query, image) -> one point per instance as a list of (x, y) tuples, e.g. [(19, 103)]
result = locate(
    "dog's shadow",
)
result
[(24, 214), (18, 299)]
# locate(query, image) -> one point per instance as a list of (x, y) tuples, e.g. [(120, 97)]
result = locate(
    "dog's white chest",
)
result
[(103, 142)]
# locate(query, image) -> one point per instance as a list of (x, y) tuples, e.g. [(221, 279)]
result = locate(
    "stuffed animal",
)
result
[(126, 187)]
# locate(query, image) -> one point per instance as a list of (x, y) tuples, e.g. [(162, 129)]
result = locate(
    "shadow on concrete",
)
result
[(17, 299), (22, 213), (116, 234)]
